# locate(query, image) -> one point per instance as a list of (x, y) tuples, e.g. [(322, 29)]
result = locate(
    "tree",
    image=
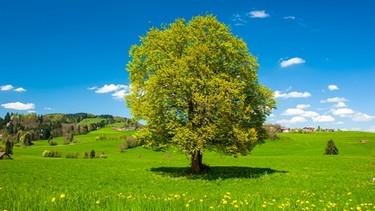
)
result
[(195, 85), (331, 148)]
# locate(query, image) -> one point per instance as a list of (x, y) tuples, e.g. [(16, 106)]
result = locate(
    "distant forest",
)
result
[(16, 127)]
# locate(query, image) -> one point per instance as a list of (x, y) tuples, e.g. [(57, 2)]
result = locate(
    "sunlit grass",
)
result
[(288, 174)]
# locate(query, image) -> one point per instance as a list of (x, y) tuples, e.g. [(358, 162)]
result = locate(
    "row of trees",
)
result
[(15, 126)]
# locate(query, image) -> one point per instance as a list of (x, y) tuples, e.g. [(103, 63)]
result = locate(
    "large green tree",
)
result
[(195, 85)]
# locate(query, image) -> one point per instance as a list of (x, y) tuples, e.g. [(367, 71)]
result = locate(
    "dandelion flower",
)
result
[(53, 199), (211, 207), (264, 205), (236, 206), (62, 196), (97, 202), (186, 205)]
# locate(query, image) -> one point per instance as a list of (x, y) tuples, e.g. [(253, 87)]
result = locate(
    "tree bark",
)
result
[(196, 162)]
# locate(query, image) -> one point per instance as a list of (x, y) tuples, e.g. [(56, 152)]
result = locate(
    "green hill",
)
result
[(291, 173)]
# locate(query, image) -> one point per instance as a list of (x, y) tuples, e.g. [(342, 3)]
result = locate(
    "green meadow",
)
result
[(291, 173)]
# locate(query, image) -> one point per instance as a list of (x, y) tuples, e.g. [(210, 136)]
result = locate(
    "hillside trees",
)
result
[(195, 85)]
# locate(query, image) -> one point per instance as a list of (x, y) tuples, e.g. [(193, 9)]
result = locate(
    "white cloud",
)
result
[(340, 105), (119, 90), (310, 114), (340, 123), (297, 119), (18, 106), (292, 112), (119, 95), (360, 117), (302, 106), (20, 89), (279, 94), (334, 100), (289, 17), (258, 14), (107, 88), (343, 112), (323, 118), (6, 87), (239, 21), (333, 87), (92, 88), (292, 61)]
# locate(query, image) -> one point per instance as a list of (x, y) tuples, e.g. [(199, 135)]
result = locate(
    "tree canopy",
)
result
[(195, 85)]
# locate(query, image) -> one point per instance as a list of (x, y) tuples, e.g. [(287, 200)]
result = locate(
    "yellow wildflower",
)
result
[(53, 199), (97, 202), (211, 207), (187, 205), (62, 196), (264, 205), (236, 206)]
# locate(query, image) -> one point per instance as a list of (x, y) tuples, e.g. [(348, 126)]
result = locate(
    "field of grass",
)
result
[(288, 174)]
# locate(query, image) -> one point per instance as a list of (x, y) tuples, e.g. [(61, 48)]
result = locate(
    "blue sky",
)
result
[(66, 56)]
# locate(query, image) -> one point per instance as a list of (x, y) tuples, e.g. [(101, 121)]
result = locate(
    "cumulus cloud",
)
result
[(119, 95), (297, 119), (343, 112), (20, 89), (279, 94), (323, 118), (340, 105), (310, 114), (292, 112), (258, 14), (332, 87), (19, 106), (6, 87), (360, 117), (119, 90), (292, 61), (294, 120), (107, 88)]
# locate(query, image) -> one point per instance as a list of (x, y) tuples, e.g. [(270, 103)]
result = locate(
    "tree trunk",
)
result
[(196, 162)]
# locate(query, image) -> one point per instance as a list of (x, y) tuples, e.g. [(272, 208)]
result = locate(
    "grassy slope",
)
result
[(290, 173)]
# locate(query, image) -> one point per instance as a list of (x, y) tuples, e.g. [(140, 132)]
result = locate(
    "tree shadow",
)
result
[(216, 172)]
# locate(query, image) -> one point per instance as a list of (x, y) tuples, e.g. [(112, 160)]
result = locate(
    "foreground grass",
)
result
[(288, 174)]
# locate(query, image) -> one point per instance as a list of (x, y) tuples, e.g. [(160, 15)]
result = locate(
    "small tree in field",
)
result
[(331, 149), (195, 85)]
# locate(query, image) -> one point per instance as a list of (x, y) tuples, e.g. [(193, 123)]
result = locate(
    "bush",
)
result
[(123, 146), (52, 142), (92, 154), (103, 155), (86, 155), (51, 153), (72, 155), (331, 149)]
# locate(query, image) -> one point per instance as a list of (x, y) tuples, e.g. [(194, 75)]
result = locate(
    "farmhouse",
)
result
[(308, 129)]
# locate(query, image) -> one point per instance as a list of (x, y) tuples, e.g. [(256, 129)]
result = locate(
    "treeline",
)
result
[(18, 127)]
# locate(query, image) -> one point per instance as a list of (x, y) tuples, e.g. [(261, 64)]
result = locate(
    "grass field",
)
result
[(288, 174)]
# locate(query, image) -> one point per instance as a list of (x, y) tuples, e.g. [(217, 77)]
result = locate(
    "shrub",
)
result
[(72, 155), (51, 153), (331, 149), (103, 155), (92, 154), (123, 146), (86, 155), (52, 142)]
